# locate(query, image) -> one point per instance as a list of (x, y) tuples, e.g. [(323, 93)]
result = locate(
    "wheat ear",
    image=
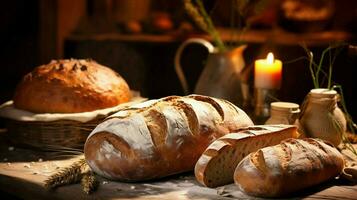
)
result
[(68, 175), (89, 182)]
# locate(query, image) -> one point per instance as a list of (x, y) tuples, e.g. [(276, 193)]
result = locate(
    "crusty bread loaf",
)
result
[(70, 86), (292, 165), (217, 164), (160, 138)]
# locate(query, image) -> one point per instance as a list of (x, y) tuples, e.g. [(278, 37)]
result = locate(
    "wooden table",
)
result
[(23, 171)]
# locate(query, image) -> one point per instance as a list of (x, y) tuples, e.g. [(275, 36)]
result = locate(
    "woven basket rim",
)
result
[(7, 111)]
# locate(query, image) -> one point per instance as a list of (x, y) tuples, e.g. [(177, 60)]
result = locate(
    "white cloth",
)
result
[(7, 110)]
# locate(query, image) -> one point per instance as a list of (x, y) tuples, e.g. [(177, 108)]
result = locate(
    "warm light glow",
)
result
[(270, 58), (268, 72)]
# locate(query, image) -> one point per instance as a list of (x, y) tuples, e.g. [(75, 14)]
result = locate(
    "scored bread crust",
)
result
[(70, 86), (160, 138), (290, 166), (217, 164)]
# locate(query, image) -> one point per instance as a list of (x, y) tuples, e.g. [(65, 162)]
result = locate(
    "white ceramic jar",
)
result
[(321, 117), (283, 113)]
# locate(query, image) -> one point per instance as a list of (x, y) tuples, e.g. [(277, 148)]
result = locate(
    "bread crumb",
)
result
[(27, 165)]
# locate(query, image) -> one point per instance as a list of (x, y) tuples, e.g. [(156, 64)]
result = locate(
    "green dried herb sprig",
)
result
[(350, 124), (316, 69)]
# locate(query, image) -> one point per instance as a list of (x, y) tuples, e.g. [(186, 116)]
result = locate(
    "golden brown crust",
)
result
[(217, 164), (70, 86), (275, 171), (157, 126), (166, 137)]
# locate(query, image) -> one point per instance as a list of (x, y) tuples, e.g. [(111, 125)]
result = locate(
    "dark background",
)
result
[(34, 32)]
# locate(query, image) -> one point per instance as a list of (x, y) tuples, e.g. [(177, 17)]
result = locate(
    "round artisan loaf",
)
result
[(160, 137), (290, 166), (70, 86)]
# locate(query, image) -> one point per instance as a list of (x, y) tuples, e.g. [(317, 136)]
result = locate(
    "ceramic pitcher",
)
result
[(221, 76), (321, 117)]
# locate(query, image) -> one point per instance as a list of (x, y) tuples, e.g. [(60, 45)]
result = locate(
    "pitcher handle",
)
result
[(179, 51)]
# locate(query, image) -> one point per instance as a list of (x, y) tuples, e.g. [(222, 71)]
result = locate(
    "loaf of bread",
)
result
[(70, 86), (217, 164), (290, 166), (160, 137)]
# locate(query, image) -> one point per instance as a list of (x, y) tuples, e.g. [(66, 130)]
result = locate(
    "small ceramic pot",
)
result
[(321, 117), (283, 113)]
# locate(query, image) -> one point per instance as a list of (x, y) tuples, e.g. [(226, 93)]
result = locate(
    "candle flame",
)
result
[(270, 58)]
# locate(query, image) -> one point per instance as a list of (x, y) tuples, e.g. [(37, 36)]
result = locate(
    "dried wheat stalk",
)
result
[(200, 16), (68, 175), (89, 182), (196, 15)]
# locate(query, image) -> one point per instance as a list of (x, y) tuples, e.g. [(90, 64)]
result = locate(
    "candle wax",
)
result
[(267, 73)]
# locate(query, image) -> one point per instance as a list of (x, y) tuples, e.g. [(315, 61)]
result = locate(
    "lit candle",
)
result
[(268, 73)]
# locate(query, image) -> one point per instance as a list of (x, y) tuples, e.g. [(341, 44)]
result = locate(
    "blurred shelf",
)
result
[(288, 38), (125, 37), (253, 36)]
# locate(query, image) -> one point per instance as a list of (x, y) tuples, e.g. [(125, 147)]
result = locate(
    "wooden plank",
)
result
[(25, 180), (23, 175)]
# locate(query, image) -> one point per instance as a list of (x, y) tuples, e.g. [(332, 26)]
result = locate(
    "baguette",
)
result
[(217, 164), (292, 165), (161, 137)]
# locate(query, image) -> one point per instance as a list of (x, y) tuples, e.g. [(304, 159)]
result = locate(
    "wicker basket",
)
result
[(49, 135), (57, 134)]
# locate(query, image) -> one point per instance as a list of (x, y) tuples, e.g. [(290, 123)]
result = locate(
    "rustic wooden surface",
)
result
[(23, 171)]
